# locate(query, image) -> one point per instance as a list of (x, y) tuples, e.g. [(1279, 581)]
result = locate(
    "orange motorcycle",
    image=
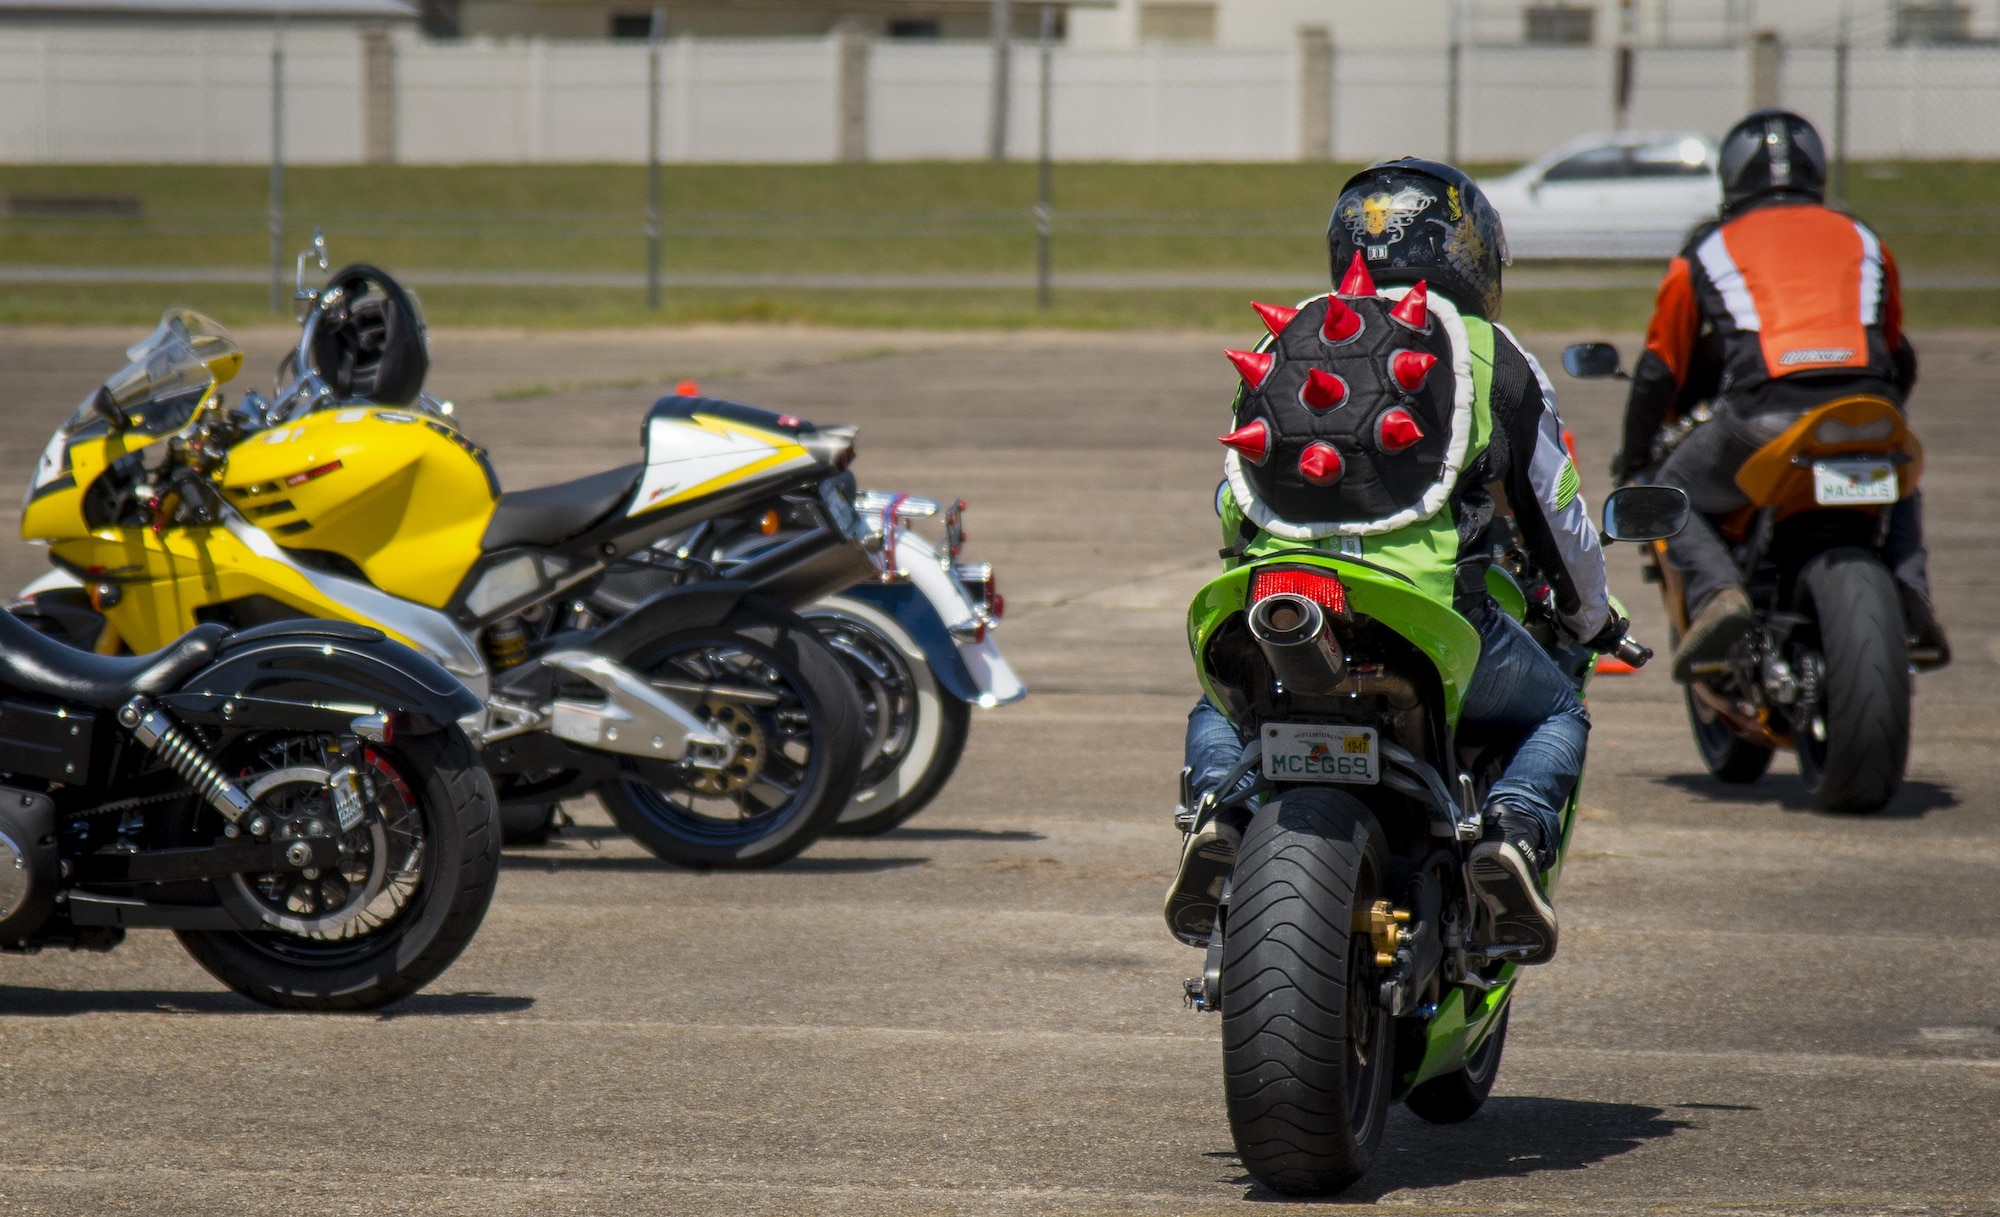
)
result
[(1827, 671)]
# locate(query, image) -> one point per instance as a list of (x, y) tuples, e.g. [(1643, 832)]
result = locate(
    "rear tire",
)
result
[(1306, 1049), (1854, 743), (691, 828), (460, 867), (528, 823), (1455, 1097), (916, 729)]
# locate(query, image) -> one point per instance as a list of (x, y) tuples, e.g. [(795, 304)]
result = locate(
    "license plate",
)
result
[(1321, 752), (1840, 483)]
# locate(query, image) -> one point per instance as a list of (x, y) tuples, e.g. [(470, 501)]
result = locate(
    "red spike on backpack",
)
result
[(1320, 464), (1357, 281), (1397, 431), (1322, 390), (1252, 439), (1410, 367), (1252, 366), (1413, 310), (1276, 316), (1342, 323)]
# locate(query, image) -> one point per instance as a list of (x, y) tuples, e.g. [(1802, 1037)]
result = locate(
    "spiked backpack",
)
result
[(1355, 421)]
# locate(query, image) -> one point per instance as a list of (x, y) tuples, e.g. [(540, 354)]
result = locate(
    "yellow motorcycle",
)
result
[(712, 722)]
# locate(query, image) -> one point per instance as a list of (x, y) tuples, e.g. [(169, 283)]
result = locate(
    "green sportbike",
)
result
[(1348, 959)]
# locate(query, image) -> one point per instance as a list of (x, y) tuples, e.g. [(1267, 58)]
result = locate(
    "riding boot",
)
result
[(1208, 854), (1719, 625), (1929, 649), (1506, 872)]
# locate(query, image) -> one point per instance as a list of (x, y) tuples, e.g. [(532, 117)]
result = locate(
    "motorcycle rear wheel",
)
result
[(1854, 740), (1306, 1048), (806, 747), (422, 922), (916, 728)]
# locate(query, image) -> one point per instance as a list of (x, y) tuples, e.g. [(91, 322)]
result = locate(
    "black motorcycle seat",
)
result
[(31, 662), (550, 515)]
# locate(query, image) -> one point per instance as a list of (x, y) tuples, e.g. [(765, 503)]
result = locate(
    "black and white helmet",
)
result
[(1772, 153)]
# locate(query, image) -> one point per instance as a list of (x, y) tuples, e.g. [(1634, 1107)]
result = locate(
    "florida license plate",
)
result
[(1845, 483), (1321, 752)]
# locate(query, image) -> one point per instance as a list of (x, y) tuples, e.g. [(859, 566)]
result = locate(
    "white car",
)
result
[(1628, 195)]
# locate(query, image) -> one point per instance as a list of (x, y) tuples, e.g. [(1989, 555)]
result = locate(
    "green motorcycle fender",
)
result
[(1463, 1021), (1446, 638)]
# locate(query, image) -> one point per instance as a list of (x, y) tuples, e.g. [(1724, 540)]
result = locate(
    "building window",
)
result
[(1184, 24), (913, 27), (1933, 21), (631, 25), (1559, 24)]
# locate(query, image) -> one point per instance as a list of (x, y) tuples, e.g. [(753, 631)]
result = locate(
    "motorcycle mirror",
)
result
[(1593, 361), (1645, 513), (303, 297)]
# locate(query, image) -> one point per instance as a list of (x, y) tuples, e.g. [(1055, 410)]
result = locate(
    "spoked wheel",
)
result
[(785, 702), (915, 729), (408, 891), (1306, 1048), (1852, 723)]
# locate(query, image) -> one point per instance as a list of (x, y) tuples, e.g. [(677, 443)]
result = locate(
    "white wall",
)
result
[(129, 93), (203, 97)]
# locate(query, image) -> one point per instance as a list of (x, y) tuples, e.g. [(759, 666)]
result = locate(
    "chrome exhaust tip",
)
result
[(1292, 632)]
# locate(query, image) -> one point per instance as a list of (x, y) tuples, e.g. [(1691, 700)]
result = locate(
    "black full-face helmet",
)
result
[(1772, 154), (1413, 219)]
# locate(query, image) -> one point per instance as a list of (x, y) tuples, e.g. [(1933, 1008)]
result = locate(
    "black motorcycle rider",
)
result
[(1781, 307), (1403, 222)]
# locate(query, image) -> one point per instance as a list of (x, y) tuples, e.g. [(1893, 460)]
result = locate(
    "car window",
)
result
[(1682, 158), (1591, 165)]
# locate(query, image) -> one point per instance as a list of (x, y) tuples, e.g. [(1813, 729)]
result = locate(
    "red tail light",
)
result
[(1315, 585)]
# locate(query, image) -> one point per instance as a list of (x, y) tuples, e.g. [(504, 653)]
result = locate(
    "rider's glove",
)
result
[(1622, 470), (1607, 639)]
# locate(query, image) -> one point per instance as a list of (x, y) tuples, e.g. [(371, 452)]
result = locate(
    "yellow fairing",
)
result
[(403, 498), (163, 578)]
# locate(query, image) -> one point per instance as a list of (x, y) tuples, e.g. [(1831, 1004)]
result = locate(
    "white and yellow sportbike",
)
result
[(712, 722)]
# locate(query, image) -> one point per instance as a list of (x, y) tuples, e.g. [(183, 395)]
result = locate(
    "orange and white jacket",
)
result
[(1778, 308)]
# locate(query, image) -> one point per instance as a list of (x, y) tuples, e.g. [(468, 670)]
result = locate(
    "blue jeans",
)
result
[(1516, 689)]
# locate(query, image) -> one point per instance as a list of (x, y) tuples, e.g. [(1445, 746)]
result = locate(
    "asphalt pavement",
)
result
[(1758, 1008)]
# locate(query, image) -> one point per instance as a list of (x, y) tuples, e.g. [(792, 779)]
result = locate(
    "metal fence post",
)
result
[(275, 206), (1767, 56), (1840, 52), (1315, 93), (1621, 85), (996, 127), (850, 52), (656, 36), (1045, 168), (1454, 64)]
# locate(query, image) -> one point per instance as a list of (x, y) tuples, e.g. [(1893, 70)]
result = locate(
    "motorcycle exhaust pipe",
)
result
[(1291, 631)]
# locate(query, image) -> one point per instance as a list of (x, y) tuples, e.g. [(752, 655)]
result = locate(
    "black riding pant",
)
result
[(1705, 467)]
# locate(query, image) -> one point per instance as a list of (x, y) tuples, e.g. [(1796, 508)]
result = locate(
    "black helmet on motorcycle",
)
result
[(373, 346), (1413, 219), (1772, 154)]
